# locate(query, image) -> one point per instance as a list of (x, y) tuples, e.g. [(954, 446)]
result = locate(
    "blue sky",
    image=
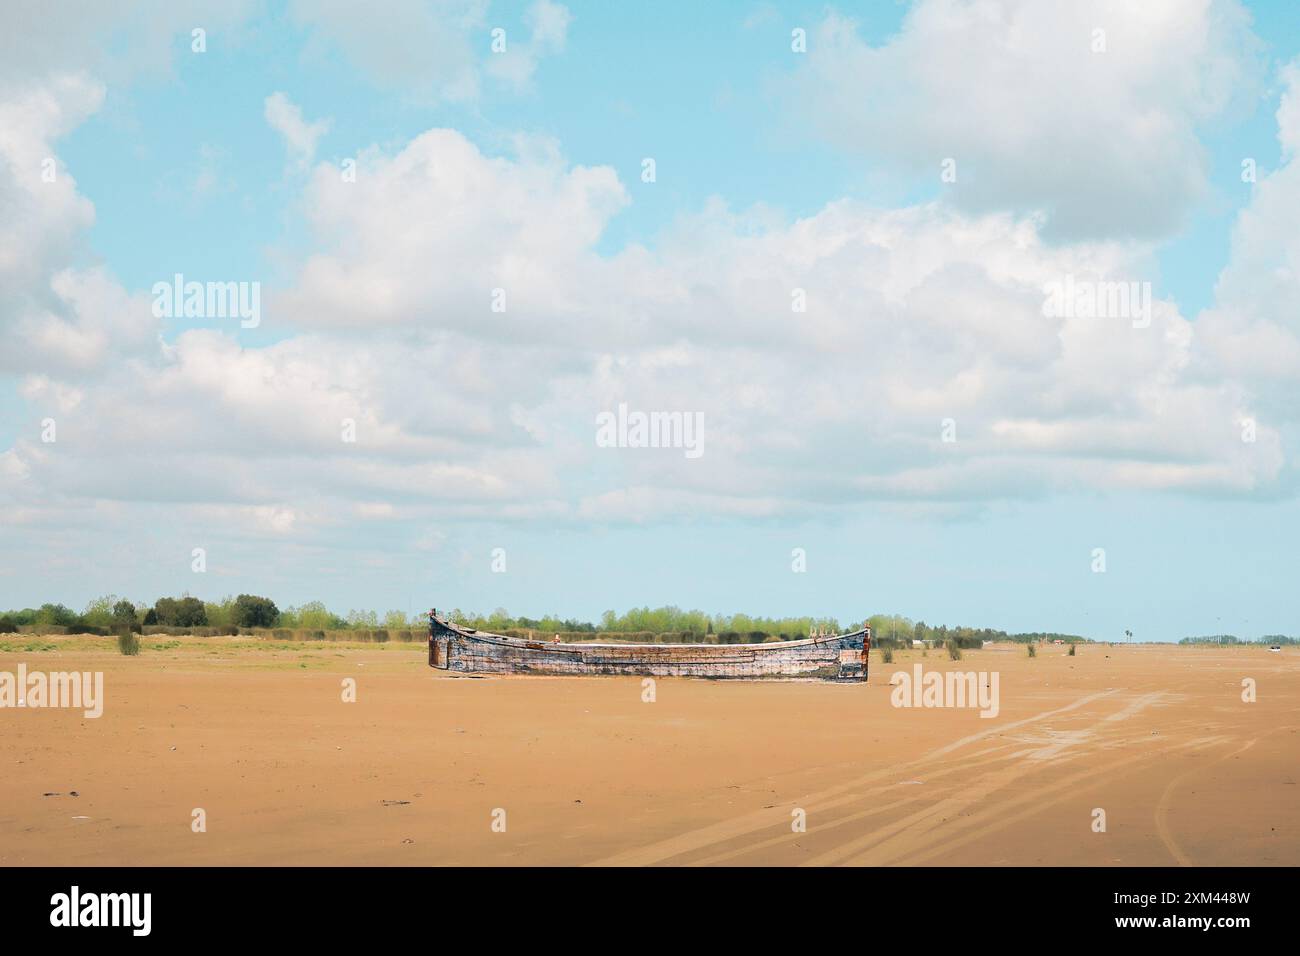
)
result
[(774, 170)]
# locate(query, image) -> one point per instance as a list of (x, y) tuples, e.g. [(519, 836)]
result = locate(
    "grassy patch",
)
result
[(28, 647)]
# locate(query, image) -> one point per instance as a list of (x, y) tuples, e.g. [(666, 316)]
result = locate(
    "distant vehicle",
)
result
[(1276, 648), (1058, 642)]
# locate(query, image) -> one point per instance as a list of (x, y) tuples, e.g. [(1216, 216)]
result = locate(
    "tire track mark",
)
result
[(727, 830)]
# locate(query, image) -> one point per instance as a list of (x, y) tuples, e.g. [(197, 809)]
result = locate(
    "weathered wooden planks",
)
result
[(842, 657)]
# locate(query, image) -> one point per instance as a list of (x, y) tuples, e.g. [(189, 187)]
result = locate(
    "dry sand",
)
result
[(258, 736)]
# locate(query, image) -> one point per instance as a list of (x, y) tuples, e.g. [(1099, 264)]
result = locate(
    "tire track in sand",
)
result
[(1162, 806), (913, 848), (727, 830), (910, 834)]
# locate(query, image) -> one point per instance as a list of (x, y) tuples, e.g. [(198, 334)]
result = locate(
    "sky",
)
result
[(855, 244)]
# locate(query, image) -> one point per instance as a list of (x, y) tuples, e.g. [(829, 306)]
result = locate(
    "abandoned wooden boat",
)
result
[(839, 657)]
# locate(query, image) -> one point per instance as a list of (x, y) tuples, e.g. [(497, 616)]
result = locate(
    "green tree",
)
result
[(99, 612), (221, 613), (181, 612), (253, 611), (315, 616), (362, 620), (124, 618), (56, 614)]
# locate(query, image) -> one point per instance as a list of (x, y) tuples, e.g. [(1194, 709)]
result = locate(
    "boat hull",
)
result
[(841, 657)]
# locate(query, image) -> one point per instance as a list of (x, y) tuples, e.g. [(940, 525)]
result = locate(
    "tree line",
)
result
[(113, 614), (886, 629), (1278, 639)]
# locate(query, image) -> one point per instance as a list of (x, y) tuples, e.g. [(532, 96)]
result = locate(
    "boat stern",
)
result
[(439, 643)]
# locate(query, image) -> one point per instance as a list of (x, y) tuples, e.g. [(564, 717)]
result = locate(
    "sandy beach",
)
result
[(425, 768)]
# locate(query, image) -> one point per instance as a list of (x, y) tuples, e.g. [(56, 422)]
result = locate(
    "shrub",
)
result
[(7, 625), (1071, 650), (1033, 649), (128, 643), (887, 655), (954, 650)]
